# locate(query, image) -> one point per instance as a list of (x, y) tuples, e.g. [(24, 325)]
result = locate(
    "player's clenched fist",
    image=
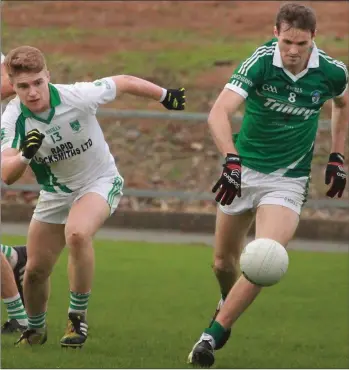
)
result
[(229, 184), (31, 144), (174, 99), (335, 175)]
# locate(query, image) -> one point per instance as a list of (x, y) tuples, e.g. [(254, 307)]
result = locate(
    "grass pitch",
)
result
[(150, 303)]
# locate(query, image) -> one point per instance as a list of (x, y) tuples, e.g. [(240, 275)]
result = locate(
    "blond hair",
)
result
[(24, 59)]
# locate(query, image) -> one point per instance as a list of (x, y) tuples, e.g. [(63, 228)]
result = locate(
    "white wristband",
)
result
[(163, 96), (24, 159)]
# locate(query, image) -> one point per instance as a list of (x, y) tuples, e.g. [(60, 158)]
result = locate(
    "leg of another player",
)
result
[(86, 216), (17, 258), (10, 254), (19, 269), (17, 317)]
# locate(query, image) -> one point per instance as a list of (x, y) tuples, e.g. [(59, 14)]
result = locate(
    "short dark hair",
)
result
[(296, 16)]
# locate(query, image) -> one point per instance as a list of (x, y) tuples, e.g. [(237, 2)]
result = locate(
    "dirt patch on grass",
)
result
[(122, 26), (119, 25), (238, 18)]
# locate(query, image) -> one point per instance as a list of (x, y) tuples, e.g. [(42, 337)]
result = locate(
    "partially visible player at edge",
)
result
[(267, 164), (53, 128), (13, 263), (13, 260)]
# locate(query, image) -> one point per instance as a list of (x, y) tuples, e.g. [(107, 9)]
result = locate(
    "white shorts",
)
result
[(259, 188), (54, 208)]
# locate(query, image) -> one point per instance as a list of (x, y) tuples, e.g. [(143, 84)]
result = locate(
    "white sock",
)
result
[(13, 259), (16, 310), (10, 254)]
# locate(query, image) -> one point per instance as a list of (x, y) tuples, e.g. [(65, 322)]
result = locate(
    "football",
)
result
[(264, 262)]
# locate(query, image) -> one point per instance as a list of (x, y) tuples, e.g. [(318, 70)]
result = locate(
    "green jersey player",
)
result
[(53, 128), (266, 172)]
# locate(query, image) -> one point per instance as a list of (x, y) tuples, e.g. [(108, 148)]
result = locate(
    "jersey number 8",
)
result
[(292, 97)]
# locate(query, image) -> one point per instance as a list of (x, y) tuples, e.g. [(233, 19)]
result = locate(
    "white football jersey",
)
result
[(74, 151)]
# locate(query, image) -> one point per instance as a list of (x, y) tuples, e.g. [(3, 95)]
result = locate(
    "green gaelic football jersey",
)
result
[(282, 110)]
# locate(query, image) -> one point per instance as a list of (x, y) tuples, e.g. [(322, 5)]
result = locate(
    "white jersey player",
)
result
[(6, 88), (53, 128), (13, 260), (74, 153)]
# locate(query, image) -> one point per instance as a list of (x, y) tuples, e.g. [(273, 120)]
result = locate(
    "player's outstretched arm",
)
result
[(335, 174), (173, 99), (6, 87), (15, 162), (340, 122), (226, 104)]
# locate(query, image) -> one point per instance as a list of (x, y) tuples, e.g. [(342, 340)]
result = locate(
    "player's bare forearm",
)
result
[(138, 87), (12, 166), (226, 105), (340, 123), (221, 132)]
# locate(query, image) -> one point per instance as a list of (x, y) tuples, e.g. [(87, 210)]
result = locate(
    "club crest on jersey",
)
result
[(315, 96), (76, 127)]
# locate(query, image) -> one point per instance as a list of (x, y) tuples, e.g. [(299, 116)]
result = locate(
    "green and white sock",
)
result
[(10, 254), (216, 330), (79, 302), (16, 310), (37, 322)]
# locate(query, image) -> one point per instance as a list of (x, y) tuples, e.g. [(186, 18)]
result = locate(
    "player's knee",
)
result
[(224, 264), (36, 274), (76, 238), (225, 269)]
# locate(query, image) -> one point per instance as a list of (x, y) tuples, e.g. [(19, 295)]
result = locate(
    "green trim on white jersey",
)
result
[(55, 100), (74, 151)]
